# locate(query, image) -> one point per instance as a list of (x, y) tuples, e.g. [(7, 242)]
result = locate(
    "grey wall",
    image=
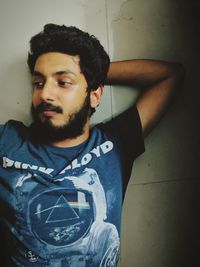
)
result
[(160, 220)]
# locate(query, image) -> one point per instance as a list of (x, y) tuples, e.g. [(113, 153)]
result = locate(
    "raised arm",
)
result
[(157, 80)]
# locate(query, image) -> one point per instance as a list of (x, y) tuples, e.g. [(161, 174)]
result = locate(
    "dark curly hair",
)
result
[(94, 61)]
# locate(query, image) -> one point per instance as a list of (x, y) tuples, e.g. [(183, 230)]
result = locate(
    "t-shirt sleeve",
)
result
[(127, 130)]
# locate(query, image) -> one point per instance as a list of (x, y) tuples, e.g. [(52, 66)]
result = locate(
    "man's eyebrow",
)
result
[(37, 73), (61, 72)]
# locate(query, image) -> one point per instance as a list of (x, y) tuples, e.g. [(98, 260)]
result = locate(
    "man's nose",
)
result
[(48, 92)]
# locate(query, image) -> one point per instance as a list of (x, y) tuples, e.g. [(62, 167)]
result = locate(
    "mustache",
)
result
[(47, 106)]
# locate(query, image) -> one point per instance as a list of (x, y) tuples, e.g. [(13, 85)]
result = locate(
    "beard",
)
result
[(44, 131)]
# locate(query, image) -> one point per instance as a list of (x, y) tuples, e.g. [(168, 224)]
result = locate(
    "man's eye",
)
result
[(38, 84), (64, 83)]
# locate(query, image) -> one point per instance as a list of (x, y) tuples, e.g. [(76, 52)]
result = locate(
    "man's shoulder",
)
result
[(126, 130), (126, 119), (12, 128), (13, 124)]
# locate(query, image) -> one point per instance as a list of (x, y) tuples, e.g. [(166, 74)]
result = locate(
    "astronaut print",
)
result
[(68, 221)]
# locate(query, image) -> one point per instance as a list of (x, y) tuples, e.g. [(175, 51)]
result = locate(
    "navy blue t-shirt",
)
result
[(62, 207)]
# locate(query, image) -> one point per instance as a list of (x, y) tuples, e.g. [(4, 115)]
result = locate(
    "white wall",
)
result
[(161, 207)]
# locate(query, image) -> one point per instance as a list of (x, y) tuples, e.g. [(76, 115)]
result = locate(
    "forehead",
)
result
[(55, 61)]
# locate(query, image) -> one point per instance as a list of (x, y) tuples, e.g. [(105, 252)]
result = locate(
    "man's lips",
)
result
[(47, 110), (49, 113)]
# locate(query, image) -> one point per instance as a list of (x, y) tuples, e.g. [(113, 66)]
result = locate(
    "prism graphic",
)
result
[(62, 211)]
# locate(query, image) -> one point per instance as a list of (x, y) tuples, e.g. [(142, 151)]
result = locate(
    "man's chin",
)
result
[(48, 132), (55, 125), (49, 125)]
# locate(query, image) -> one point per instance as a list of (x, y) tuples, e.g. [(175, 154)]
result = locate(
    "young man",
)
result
[(61, 183)]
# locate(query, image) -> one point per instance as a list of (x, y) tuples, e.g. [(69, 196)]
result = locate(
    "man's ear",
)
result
[(95, 96)]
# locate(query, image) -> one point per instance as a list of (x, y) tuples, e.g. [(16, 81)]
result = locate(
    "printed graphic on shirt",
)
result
[(69, 219)]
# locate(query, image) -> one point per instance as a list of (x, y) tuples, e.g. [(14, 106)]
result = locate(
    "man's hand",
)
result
[(158, 80)]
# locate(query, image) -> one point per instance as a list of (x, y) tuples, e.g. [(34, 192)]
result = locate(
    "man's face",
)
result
[(59, 94)]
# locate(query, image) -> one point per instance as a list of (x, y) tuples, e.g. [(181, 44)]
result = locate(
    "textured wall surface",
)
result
[(160, 221)]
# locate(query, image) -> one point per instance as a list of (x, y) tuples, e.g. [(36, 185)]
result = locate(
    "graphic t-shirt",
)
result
[(61, 207)]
